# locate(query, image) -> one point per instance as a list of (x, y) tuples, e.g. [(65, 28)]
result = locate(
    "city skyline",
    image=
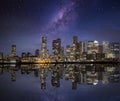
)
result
[(24, 22), (50, 49), (59, 50), (78, 51)]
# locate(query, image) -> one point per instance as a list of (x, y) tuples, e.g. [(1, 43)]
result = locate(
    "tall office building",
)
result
[(111, 50), (76, 48), (82, 47), (92, 50), (92, 46), (44, 51), (115, 49), (96, 46), (72, 53), (68, 51), (56, 48), (106, 48), (13, 50)]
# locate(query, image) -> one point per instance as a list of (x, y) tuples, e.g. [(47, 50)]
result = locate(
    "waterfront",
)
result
[(59, 50)]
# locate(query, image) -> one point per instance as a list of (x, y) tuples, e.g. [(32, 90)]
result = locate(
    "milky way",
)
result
[(66, 14)]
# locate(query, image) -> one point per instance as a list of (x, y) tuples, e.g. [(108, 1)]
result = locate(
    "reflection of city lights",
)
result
[(95, 82), (57, 72)]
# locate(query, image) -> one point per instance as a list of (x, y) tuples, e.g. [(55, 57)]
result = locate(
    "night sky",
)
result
[(24, 22)]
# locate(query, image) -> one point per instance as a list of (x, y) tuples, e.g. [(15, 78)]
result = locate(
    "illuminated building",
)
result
[(27, 57), (82, 49), (77, 52), (44, 50), (13, 51), (111, 50), (84, 56), (90, 46), (106, 49), (68, 51), (13, 58), (105, 46), (96, 46), (56, 49), (115, 49), (92, 49), (72, 53), (75, 49)]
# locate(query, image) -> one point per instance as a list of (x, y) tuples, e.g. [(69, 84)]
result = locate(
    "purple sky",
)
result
[(24, 22)]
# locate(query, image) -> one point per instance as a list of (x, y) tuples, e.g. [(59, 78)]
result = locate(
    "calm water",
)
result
[(60, 82)]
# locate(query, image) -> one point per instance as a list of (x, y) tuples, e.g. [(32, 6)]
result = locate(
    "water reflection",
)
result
[(78, 74)]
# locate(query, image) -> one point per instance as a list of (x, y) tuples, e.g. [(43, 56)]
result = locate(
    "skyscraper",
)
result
[(105, 47), (115, 49), (44, 50), (96, 46), (111, 50), (82, 47), (76, 48), (90, 46), (68, 51), (13, 50), (56, 48)]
